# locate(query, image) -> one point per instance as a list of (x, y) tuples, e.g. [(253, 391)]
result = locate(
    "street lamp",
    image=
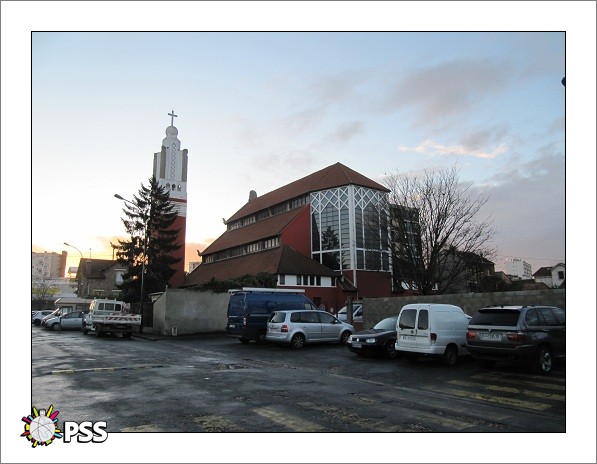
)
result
[(145, 220), (80, 264)]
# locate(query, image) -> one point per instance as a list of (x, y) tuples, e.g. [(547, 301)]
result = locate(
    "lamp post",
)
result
[(145, 220), (79, 286)]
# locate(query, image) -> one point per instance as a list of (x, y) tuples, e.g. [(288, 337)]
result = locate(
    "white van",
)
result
[(432, 329)]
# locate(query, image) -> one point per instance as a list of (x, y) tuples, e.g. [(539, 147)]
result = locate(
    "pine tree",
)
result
[(148, 220)]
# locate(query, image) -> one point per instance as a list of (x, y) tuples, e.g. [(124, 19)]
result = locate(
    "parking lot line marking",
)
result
[(535, 394), (346, 416), (491, 399), (367, 400), (217, 424), (496, 378), (64, 371), (142, 428), (286, 420)]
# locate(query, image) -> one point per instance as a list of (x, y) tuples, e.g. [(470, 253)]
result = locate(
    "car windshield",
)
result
[(496, 316), (388, 323)]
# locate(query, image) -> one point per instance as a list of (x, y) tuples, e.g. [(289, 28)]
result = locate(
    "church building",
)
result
[(170, 170), (327, 233)]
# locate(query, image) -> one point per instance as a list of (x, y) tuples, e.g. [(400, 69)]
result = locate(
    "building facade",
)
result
[(519, 268), (98, 278), (552, 276), (327, 233), (48, 265), (170, 168)]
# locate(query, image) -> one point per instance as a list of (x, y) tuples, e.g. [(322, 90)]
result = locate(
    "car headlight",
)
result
[(370, 340)]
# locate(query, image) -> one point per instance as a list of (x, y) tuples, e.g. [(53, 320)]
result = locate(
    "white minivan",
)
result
[(432, 329)]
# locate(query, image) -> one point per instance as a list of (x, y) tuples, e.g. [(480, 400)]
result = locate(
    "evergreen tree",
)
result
[(148, 220)]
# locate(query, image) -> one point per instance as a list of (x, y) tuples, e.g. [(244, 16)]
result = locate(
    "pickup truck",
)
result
[(110, 316)]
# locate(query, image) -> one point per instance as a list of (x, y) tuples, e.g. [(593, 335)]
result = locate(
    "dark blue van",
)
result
[(250, 308)]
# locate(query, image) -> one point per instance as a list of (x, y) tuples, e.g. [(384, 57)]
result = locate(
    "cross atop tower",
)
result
[(173, 116)]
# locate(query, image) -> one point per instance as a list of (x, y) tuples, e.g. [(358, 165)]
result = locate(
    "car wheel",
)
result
[(37, 322), (127, 335), (390, 350), (450, 356), (244, 341), (486, 363), (412, 357), (98, 333), (298, 341), (543, 362), (344, 337), (56, 326), (260, 338), (85, 331)]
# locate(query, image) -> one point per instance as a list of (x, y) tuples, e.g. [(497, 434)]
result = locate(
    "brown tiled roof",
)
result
[(95, 268), (543, 272), (281, 260), (335, 175), (259, 230)]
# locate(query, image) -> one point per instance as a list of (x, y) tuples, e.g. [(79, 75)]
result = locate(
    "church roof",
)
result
[(280, 260), (333, 176), (259, 230)]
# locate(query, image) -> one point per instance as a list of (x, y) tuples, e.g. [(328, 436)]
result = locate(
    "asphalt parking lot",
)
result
[(216, 384)]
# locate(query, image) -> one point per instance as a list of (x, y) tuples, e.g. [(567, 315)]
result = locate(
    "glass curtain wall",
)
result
[(349, 229)]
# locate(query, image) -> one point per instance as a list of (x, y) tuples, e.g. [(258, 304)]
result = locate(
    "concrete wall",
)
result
[(189, 311), (375, 309)]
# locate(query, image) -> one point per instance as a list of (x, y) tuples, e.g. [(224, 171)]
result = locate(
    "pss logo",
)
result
[(41, 429)]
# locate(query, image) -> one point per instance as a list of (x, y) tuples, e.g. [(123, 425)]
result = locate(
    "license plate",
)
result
[(488, 336), (409, 338), (357, 345)]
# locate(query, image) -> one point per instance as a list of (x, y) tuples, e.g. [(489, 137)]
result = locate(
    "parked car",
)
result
[(250, 308), (52, 315), (37, 316), (72, 320), (379, 340), (532, 335), (299, 327), (432, 329), (357, 313)]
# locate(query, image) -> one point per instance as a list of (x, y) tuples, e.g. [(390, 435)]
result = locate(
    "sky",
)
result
[(259, 110), (83, 113)]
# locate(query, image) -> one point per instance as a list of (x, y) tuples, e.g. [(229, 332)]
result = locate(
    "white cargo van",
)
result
[(432, 329)]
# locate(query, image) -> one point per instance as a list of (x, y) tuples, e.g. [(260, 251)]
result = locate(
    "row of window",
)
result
[(243, 250), (303, 280), (268, 212)]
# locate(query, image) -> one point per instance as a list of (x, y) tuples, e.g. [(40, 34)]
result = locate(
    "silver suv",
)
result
[(298, 327)]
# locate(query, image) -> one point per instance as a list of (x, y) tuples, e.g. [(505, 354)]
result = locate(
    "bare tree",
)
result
[(43, 288), (435, 228)]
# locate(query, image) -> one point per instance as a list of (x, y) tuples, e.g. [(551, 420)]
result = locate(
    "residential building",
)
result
[(48, 265), (98, 278), (518, 267), (552, 276), (463, 272), (326, 233), (406, 248)]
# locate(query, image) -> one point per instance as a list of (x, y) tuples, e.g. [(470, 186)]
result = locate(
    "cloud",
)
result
[(344, 132), (527, 203), (432, 148), (446, 89)]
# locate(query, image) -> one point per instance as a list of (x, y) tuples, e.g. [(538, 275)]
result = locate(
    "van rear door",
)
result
[(236, 313), (423, 337), (407, 337)]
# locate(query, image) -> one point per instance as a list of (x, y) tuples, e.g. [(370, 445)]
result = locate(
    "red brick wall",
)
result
[(297, 233), (177, 279)]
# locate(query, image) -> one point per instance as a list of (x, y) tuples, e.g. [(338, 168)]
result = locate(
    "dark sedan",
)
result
[(380, 340)]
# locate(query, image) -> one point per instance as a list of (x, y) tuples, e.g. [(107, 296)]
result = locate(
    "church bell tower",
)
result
[(170, 170)]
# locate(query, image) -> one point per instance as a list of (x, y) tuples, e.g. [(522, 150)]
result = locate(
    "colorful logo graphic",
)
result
[(41, 427)]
